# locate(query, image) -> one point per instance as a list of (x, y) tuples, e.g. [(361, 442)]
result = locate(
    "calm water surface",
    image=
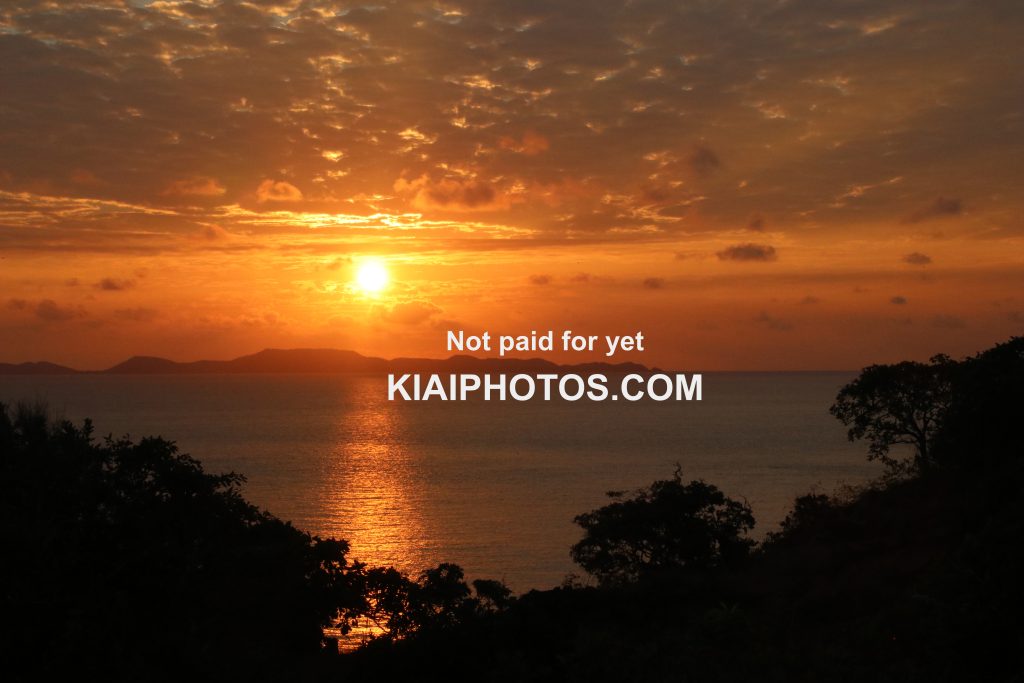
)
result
[(492, 486)]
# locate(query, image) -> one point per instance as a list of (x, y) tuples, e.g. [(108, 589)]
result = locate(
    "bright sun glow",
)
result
[(372, 277)]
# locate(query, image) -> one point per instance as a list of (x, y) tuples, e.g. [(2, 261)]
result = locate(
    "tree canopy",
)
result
[(130, 553), (900, 404), (666, 527), (961, 414), (984, 417), (128, 558)]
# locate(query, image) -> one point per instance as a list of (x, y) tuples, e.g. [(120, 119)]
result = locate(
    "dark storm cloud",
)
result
[(748, 252), (612, 119)]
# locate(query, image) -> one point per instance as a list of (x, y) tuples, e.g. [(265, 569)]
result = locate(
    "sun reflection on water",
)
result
[(369, 492)]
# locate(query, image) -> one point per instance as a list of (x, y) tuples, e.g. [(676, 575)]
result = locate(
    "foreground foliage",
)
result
[(913, 578), (127, 560), (668, 527), (124, 556)]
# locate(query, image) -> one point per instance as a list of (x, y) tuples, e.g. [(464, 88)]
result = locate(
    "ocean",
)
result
[(491, 486)]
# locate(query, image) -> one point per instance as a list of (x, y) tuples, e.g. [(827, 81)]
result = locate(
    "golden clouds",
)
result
[(198, 186), (531, 143), (796, 113), (277, 191), (410, 312), (527, 153), (452, 194)]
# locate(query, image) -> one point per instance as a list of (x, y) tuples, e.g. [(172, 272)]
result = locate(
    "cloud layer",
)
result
[(636, 119), (640, 160)]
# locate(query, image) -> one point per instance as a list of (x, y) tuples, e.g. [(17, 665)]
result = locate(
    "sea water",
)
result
[(492, 486)]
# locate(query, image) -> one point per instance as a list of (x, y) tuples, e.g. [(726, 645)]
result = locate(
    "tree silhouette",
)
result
[(666, 527), (897, 404), (127, 558)]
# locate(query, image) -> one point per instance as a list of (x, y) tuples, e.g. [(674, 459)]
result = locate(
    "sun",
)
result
[(372, 277)]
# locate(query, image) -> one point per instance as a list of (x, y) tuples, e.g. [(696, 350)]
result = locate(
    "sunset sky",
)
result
[(754, 185)]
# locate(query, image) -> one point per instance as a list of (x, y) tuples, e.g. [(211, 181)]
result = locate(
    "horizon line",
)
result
[(610, 362)]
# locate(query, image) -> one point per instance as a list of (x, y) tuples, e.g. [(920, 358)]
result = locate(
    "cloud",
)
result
[(195, 92), (81, 176), (213, 233), (412, 312), (917, 259), (773, 323), (178, 100), (654, 283), (942, 207), (540, 279), (898, 300), (50, 311), (199, 186), (531, 143), (703, 160), (109, 284), (656, 194), (140, 314), (748, 252), (756, 223), (337, 262), (948, 322), (580, 277), (452, 194), (810, 300), (46, 310), (277, 191)]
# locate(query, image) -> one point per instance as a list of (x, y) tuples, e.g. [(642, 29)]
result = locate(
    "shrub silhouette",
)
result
[(440, 599), (667, 527)]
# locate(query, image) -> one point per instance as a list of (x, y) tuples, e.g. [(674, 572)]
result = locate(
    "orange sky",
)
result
[(758, 185)]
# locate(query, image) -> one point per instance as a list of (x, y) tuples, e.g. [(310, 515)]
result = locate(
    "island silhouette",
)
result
[(326, 361)]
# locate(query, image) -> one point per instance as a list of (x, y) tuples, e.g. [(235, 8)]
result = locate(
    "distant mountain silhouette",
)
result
[(327, 361), (41, 368), (266, 361)]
